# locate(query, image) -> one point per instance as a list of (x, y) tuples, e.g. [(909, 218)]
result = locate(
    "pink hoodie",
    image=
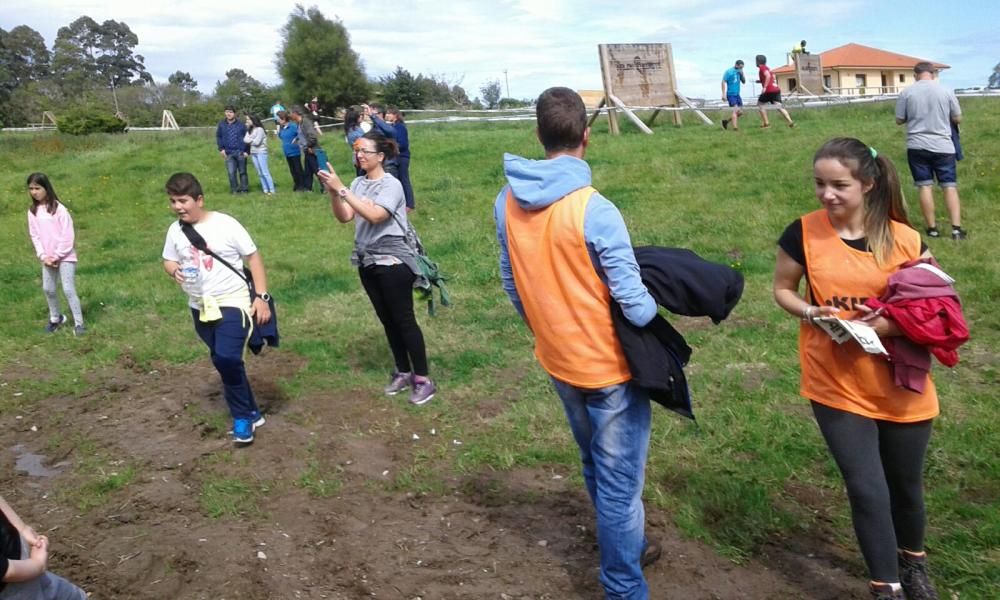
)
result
[(52, 235)]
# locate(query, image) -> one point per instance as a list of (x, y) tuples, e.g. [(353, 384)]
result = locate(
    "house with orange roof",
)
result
[(856, 70)]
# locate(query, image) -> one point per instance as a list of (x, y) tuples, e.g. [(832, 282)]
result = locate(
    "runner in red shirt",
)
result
[(771, 97)]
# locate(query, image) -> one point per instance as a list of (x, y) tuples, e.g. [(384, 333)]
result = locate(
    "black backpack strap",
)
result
[(199, 242)]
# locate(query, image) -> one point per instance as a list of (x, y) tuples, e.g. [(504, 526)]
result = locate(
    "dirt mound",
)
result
[(309, 511)]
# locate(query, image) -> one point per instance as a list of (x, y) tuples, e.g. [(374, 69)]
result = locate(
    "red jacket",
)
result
[(925, 306)]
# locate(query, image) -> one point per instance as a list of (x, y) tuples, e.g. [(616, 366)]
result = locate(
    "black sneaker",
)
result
[(651, 553), (54, 325), (914, 577), (725, 123), (933, 232), (957, 233)]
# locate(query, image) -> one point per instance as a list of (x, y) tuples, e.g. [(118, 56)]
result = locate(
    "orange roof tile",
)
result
[(856, 55)]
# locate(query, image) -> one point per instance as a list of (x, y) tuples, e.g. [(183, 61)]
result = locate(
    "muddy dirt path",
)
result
[(518, 535)]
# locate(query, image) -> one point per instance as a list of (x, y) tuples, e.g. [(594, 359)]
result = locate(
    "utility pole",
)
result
[(507, 80)]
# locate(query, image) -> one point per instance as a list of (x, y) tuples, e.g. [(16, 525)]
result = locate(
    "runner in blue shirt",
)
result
[(731, 81)]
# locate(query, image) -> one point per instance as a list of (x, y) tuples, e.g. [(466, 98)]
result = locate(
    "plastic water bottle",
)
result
[(192, 278)]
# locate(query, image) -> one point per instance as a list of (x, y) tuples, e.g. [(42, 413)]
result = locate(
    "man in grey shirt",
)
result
[(929, 112)]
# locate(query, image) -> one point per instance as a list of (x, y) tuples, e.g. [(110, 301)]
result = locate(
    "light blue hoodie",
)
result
[(539, 183)]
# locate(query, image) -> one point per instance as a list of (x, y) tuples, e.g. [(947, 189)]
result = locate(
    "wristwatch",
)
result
[(265, 297), (342, 192)]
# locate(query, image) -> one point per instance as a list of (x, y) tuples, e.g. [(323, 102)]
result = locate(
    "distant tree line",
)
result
[(93, 67)]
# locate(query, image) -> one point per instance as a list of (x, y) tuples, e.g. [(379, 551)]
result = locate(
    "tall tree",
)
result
[(491, 93), (74, 55), (23, 56), (244, 92), (994, 82), (117, 61), (403, 89), (183, 80), (316, 60), (87, 54)]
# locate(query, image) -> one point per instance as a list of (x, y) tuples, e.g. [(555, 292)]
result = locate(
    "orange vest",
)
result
[(844, 376), (567, 304)]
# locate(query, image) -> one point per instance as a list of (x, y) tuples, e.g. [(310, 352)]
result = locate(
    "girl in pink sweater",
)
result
[(51, 230)]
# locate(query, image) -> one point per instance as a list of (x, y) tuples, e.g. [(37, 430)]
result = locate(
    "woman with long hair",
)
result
[(256, 138), (876, 431)]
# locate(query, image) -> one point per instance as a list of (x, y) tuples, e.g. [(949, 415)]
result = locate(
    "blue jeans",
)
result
[(611, 427), (225, 339), (237, 162), (260, 163)]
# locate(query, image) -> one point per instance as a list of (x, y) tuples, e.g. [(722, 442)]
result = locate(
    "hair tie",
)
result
[(873, 151)]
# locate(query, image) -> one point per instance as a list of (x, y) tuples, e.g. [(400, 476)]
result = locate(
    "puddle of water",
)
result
[(32, 463)]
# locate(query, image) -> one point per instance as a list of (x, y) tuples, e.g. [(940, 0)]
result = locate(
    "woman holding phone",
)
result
[(386, 263)]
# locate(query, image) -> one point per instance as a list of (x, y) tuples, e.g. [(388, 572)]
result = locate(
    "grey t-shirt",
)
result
[(928, 108), (371, 238)]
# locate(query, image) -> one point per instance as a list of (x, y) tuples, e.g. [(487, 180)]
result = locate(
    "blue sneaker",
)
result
[(257, 419), (242, 431)]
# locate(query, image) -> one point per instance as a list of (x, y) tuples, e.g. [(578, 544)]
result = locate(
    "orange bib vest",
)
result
[(844, 376), (567, 304)]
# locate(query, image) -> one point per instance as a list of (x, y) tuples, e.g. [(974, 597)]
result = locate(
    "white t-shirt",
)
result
[(226, 237)]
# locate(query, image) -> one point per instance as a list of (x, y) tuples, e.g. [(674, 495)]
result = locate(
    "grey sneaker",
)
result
[(884, 591), (54, 325), (79, 330), (422, 392), (398, 383), (957, 233), (915, 578)]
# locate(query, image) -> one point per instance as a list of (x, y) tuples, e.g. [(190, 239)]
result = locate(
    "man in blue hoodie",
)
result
[(565, 253), (229, 138)]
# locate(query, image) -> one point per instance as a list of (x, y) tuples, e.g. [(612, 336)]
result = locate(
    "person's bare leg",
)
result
[(788, 117), (927, 205), (763, 118), (736, 118), (953, 206)]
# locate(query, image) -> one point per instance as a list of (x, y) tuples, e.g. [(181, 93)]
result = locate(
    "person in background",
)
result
[(24, 558), (309, 144), (731, 81), (385, 262), (353, 132), (288, 132), (771, 96), (929, 111), (256, 138), (394, 119), (229, 136), (223, 312), (313, 107), (275, 109), (800, 48), (565, 253), (876, 431), (376, 113), (50, 227)]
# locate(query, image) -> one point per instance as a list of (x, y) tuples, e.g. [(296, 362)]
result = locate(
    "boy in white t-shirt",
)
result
[(220, 301)]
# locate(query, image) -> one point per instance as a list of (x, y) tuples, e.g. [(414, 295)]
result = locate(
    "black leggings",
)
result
[(295, 168), (882, 464), (390, 289)]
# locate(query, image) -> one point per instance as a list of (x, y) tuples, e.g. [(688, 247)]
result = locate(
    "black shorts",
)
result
[(769, 98)]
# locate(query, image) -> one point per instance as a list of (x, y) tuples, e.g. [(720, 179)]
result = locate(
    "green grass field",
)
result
[(753, 471)]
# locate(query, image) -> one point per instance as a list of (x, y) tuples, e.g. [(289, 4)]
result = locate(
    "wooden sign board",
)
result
[(639, 74), (809, 74)]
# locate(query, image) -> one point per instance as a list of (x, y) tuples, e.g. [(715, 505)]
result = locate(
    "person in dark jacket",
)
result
[(309, 143), (394, 121), (229, 138)]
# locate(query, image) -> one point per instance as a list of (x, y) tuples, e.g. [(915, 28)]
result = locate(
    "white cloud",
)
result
[(539, 43)]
